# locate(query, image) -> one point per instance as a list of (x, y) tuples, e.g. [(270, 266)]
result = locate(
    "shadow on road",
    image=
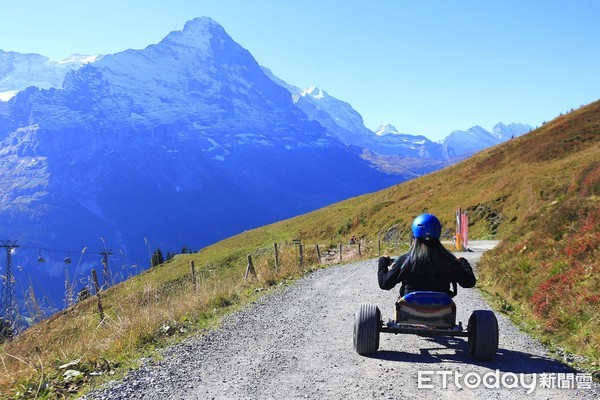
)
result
[(457, 350)]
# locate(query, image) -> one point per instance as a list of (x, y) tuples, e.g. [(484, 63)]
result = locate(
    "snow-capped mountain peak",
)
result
[(80, 58), (386, 129), (477, 130), (196, 33), (314, 92), (505, 132), (19, 71), (9, 94), (477, 138)]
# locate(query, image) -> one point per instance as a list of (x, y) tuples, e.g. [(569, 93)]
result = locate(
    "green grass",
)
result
[(535, 192)]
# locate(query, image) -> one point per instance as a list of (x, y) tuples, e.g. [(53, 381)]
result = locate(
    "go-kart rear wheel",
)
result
[(367, 323), (483, 335)]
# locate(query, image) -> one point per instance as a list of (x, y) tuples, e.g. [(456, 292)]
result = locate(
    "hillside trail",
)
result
[(297, 343)]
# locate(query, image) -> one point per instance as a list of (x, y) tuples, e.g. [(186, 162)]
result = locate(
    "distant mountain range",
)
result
[(390, 150), (461, 143), (19, 71), (185, 142)]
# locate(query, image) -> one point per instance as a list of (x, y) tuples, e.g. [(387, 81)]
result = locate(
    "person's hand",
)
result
[(464, 263), (385, 261)]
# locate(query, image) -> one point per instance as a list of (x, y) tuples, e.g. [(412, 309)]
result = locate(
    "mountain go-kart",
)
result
[(426, 314)]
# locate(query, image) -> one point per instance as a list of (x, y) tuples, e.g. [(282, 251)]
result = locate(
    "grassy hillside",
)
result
[(547, 271), (538, 192)]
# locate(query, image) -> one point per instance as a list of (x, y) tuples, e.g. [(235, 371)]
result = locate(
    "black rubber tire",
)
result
[(367, 324), (483, 335)]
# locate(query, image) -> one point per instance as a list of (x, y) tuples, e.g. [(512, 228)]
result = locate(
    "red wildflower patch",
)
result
[(555, 290)]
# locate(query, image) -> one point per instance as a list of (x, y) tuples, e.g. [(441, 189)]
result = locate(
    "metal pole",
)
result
[(8, 315)]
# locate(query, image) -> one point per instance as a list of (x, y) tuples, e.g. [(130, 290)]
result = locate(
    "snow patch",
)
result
[(9, 94), (245, 138), (387, 129), (214, 145), (80, 58), (313, 92)]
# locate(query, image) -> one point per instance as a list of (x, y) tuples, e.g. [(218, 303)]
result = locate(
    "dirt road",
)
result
[(297, 343)]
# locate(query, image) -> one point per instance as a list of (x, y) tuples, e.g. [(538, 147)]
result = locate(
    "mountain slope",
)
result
[(182, 143)]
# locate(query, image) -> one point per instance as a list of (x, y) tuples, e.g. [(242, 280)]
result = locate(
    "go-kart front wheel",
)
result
[(367, 323), (483, 335)]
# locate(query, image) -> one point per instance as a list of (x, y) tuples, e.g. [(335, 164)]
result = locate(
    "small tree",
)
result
[(157, 258)]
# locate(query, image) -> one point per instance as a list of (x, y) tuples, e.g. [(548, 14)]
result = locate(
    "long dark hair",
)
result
[(429, 256)]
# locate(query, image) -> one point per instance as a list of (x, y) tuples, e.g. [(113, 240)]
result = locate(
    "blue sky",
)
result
[(427, 67)]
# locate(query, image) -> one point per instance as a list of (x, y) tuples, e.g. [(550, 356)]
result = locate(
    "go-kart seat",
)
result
[(435, 309)]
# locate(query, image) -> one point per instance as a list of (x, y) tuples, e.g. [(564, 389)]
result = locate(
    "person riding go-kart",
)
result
[(427, 266), (425, 305)]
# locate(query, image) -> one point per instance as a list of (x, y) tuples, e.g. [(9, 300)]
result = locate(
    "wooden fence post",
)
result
[(340, 252), (193, 267), (379, 246), (249, 268), (301, 254), (359, 254), (276, 257), (97, 286), (318, 254)]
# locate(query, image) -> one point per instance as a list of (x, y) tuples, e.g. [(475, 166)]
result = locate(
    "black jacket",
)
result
[(459, 271)]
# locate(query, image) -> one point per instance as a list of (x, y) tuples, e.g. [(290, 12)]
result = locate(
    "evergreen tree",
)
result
[(157, 258)]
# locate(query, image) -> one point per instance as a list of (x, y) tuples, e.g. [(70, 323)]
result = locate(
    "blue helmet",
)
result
[(426, 226)]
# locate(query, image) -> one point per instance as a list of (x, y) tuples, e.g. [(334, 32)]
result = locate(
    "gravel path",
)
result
[(297, 343)]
